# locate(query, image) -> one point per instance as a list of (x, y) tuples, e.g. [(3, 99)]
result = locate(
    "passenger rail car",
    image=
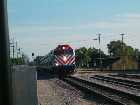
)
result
[(61, 60)]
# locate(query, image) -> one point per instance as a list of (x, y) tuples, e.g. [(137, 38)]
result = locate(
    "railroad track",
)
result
[(114, 96), (123, 82), (107, 71), (129, 76)]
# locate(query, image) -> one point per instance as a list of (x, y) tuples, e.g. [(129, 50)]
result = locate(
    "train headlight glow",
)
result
[(63, 48), (65, 58)]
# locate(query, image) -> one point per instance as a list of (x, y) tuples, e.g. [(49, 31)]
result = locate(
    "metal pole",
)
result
[(123, 50), (19, 52), (99, 39), (5, 73), (17, 49), (13, 47), (13, 51)]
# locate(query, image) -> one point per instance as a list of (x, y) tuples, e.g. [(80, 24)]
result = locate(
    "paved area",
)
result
[(24, 85)]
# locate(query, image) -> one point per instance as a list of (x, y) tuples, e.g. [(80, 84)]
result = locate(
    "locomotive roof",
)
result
[(59, 46), (63, 45)]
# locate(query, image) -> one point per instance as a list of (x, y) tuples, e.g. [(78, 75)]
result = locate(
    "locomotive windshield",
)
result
[(65, 52), (63, 49)]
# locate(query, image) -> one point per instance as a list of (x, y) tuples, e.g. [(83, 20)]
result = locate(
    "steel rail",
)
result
[(113, 95), (126, 83)]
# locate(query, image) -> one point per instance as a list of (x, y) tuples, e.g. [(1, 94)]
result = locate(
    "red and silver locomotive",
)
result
[(61, 60)]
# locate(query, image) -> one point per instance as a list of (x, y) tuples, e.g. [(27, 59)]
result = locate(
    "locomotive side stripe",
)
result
[(73, 61), (68, 59), (60, 57), (59, 60), (69, 62), (67, 56)]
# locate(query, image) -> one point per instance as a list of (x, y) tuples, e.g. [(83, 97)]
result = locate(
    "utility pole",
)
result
[(123, 63), (18, 53), (122, 38), (99, 39), (17, 49), (13, 51), (13, 48)]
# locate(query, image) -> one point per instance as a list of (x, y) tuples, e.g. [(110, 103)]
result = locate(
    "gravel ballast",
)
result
[(56, 92), (53, 91)]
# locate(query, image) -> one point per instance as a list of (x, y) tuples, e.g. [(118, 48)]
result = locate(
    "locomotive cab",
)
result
[(61, 60), (64, 59)]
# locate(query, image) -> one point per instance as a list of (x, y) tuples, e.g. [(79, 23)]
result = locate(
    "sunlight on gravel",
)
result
[(57, 92)]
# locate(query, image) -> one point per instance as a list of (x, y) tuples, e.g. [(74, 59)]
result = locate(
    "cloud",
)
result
[(42, 38), (129, 16)]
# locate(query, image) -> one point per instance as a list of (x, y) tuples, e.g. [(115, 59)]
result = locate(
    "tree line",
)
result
[(89, 57), (24, 59)]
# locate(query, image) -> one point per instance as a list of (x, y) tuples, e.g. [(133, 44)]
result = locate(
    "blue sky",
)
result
[(39, 25)]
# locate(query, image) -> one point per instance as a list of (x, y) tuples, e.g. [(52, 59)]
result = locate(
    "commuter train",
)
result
[(61, 60)]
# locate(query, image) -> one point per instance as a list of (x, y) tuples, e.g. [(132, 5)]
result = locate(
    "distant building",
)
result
[(116, 63), (124, 63)]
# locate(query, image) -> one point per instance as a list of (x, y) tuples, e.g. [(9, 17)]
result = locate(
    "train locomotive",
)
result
[(61, 61)]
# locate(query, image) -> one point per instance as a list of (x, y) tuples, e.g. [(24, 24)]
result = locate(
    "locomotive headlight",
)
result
[(63, 48), (56, 64), (65, 58)]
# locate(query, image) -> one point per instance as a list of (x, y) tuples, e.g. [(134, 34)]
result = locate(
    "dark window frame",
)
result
[(5, 71)]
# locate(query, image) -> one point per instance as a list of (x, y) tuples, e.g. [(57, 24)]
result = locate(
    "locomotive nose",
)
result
[(65, 58)]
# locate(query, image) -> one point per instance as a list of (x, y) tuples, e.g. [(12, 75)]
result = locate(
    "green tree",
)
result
[(117, 48), (81, 57), (20, 60), (87, 57), (137, 54)]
